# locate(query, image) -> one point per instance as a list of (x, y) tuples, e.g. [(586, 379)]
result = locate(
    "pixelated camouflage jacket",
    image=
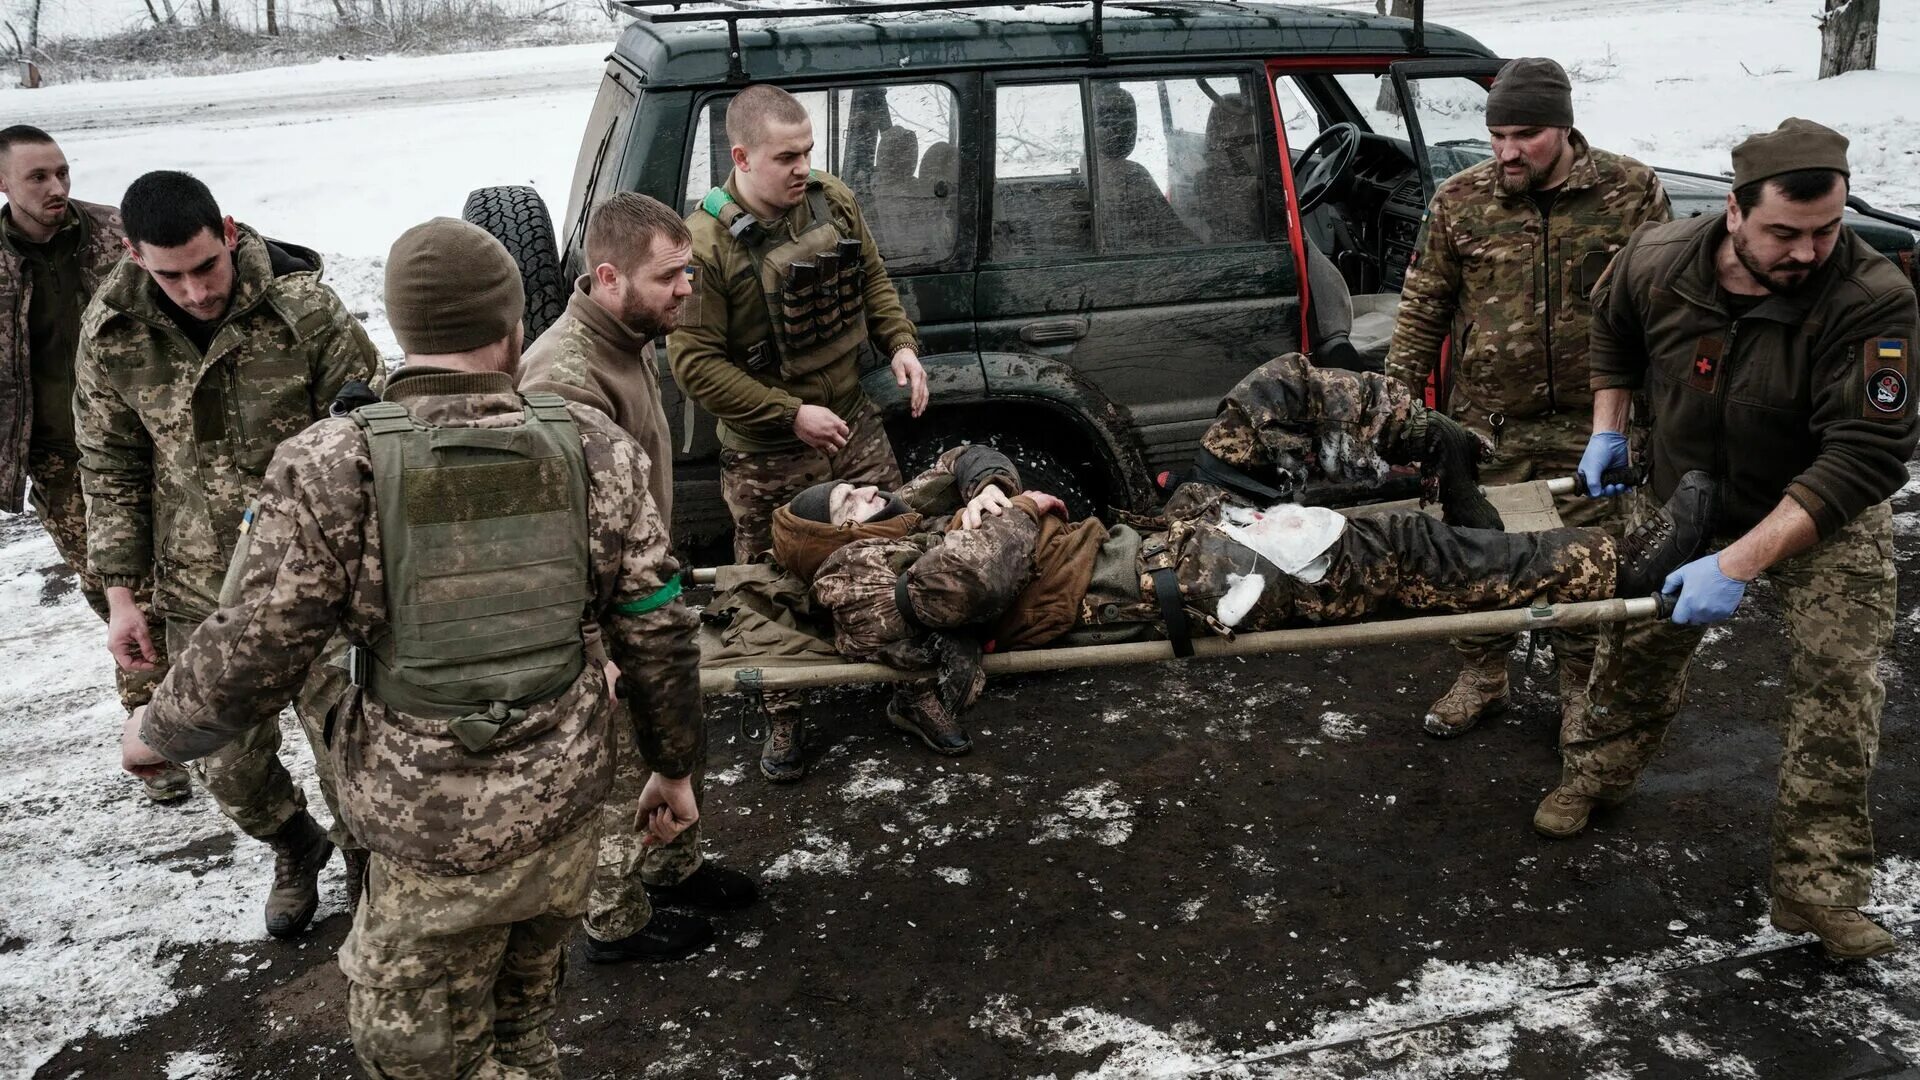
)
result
[(100, 251), (1513, 287), (172, 443), (408, 788)]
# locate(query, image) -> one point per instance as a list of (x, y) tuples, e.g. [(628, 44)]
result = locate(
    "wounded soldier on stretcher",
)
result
[(963, 557)]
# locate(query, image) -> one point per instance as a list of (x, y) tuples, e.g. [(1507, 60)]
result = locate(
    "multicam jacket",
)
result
[(100, 251), (1513, 287), (172, 443), (408, 787)]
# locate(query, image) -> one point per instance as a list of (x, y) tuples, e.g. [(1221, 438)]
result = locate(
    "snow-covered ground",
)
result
[(99, 891)]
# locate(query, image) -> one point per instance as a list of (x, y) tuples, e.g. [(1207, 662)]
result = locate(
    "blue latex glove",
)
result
[(1606, 450), (1706, 594)]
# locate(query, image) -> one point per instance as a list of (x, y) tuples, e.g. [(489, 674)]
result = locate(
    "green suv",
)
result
[(1099, 215)]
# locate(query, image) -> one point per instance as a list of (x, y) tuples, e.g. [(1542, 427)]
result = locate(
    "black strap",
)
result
[(1166, 589), (905, 603), (1209, 469)]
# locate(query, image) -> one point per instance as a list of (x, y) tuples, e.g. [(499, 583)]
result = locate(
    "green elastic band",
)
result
[(716, 201), (661, 598)]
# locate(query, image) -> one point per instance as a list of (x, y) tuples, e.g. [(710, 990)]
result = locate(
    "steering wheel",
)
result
[(1314, 180)]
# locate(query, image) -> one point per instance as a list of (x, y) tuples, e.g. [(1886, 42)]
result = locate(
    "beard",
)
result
[(1780, 279), (648, 323), (1532, 178)]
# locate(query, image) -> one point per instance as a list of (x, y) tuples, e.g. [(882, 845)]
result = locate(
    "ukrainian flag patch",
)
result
[(1887, 394)]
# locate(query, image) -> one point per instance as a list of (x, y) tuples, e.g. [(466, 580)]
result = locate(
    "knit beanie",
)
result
[(1532, 90), (1796, 144), (451, 287)]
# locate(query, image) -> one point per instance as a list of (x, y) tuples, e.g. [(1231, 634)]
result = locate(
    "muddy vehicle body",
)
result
[(1097, 214)]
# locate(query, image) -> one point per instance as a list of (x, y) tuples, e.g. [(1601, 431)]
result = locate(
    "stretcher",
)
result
[(1524, 507)]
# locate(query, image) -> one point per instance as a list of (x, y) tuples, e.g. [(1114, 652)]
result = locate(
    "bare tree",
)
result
[(273, 25), (1849, 36)]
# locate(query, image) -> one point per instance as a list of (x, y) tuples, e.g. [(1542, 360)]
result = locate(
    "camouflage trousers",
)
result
[(1397, 563), (1838, 599), (618, 905), (57, 499), (1288, 417), (755, 485), (457, 977), (1542, 449), (246, 778)]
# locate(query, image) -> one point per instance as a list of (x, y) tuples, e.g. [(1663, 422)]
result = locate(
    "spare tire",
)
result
[(1045, 464), (517, 217)]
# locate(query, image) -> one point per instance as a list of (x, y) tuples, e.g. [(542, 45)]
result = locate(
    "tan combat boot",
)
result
[(1480, 691), (1564, 812), (780, 759), (1845, 932), (169, 785), (300, 851), (1573, 699)]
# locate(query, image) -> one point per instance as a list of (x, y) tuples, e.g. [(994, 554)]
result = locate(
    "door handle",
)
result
[(1053, 331)]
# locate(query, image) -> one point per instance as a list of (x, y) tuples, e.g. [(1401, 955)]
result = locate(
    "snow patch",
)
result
[(1095, 812), (197, 1065), (953, 875), (867, 783), (1340, 727), (817, 855)]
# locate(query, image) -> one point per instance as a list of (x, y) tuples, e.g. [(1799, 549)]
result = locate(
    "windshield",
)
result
[(1451, 110)]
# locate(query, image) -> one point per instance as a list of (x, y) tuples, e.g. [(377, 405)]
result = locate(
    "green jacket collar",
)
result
[(1697, 277), (132, 292)]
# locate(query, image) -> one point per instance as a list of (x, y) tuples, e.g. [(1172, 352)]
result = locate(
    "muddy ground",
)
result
[(1231, 868)]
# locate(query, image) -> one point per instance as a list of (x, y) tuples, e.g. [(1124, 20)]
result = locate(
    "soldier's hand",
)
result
[(128, 638), (908, 372), (613, 681), (990, 502), (1707, 595), (820, 428), (135, 755), (667, 808), (1048, 504), (1606, 452)]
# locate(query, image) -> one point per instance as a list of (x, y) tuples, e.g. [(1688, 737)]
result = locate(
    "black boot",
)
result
[(300, 851), (669, 935), (712, 887), (1672, 538), (1450, 462)]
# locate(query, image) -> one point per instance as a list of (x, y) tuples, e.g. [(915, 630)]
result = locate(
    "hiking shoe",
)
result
[(1479, 691), (1564, 812), (712, 887), (780, 759), (669, 935), (1847, 934), (1672, 538), (300, 850), (1450, 461), (170, 785), (922, 713)]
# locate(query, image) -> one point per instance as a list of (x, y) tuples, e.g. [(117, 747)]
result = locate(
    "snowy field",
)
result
[(99, 892)]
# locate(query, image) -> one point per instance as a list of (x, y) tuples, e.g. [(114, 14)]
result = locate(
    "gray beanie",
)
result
[(1532, 90), (814, 503), (451, 287)]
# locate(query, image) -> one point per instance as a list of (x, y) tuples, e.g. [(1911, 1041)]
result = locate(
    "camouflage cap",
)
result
[(451, 287), (1795, 145), (1531, 90)]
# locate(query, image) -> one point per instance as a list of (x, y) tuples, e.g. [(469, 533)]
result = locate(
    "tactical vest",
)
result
[(815, 285), (487, 565)]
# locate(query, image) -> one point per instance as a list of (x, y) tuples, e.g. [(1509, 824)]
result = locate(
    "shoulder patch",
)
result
[(1889, 395)]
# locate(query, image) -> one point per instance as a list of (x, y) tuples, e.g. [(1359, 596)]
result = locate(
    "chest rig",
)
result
[(487, 566), (814, 284)]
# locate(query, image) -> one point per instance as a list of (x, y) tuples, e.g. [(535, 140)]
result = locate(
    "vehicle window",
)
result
[(1178, 163), (893, 145), (600, 150), (895, 149), (1301, 119), (1373, 97), (1040, 203), (1452, 110)]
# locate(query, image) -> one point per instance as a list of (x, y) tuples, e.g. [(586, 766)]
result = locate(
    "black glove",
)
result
[(1337, 352), (353, 394)]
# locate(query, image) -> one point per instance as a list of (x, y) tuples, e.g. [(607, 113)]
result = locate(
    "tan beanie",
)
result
[(451, 287), (1796, 144)]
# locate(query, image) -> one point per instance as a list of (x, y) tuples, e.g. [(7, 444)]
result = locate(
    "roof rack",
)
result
[(733, 12)]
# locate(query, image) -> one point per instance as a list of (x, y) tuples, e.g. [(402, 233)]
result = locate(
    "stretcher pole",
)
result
[(722, 680)]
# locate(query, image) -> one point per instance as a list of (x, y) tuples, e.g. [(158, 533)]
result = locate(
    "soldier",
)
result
[(1774, 349), (54, 252), (1509, 253), (474, 752), (600, 354), (201, 353), (788, 287)]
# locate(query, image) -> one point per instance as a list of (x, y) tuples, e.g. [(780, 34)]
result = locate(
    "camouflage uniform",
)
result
[(763, 464), (482, 860), (1779, 404), (1510, 287), (173, 444), (42, 448)]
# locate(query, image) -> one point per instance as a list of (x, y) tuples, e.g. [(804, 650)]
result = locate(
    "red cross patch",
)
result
[(1704, 373)]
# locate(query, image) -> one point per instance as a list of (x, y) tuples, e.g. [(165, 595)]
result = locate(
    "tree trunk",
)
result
[(273, 25), (213, 10), (153, 12), (1389, 102), (33, 27), (1849, 36)]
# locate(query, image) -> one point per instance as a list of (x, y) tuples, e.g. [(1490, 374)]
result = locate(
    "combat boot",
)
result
[(1480, 691), (668, 935), (780, 759), (169, 785), (300, 851), (1573, 697), (1845, 932), (1675, 536), (1450, 457), (1564, 812), (712, 887)]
